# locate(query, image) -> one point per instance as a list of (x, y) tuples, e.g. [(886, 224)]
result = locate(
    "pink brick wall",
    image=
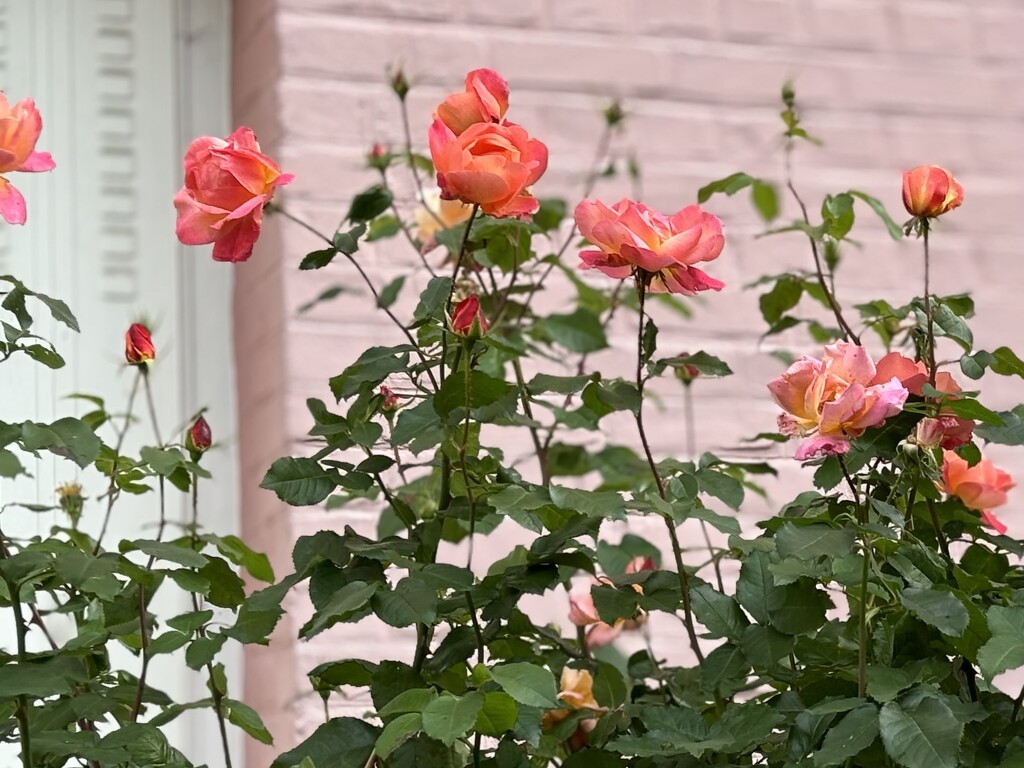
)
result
[(886, 84)]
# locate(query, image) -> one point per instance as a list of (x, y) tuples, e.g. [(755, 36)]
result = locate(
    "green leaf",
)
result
[(248, 719), (348, 242), (942, 610), (397, 731), (484, 390), (837, 214), (1005, 649), (765, 199), (498, 714), (448, 717), (949, 324), (383, 227), (810, 542), (528, 684), (755, 588), (411, 602), (299, 482), (10, 466), (719, 613), (239, 553), (182, 553), (895, 230), (389, 293), (348, 600), (369, 204), (783, 296), (927, 736), (372, 367), (1010, 433), (318, 259), (580, 331), (59, 311), (705, 364), (68, 437), (44, 355), (851, 735), (730, 185), (413, 700), (342, 742), (433, 299)]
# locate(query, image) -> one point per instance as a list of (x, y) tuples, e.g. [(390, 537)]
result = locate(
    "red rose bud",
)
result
[(930, 191), (379, 157), (199, 437), (641, 564), (138, 345), (468, 321), (389, 400), (687, 373)]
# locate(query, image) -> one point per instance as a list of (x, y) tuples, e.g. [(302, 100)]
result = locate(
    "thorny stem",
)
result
[(141, 687), (862, 619), (463, 447), (684, 581), (112, 487), (416, 246), (455, 274), (541, 449), (848, 332), (928, 306), (21, 628), (691, 452), (934, 513), (369, 284), (215, 692)]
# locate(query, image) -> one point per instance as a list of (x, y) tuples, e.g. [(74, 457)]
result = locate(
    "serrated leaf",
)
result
[(942, 610), (854, 733), (527, 683), (449, 717), (927, 736), (299, 482)]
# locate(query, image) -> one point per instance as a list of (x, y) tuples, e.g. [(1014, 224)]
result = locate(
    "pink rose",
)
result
[(630, 236), (980, 487), (488, 164), (583, 613), (227, 183), (20, 127), (930, 191), (834, 399), (485, 100)]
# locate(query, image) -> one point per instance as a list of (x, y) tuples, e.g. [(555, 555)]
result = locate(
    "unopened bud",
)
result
[(138, 345), (389, 400), (399, 84), (379, 157), (614, 114), (199, 438), (69, 497), (468, 320)]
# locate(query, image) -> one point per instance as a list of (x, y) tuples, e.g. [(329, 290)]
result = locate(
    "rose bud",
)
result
[(20, 127), (138, 345), (389, 400), (69, 496), (930, 191), (687, 373), (399, 84), (199, 438), (467, 320), (379, 157)]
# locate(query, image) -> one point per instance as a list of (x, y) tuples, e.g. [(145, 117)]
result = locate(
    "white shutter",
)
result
[(122, 86)]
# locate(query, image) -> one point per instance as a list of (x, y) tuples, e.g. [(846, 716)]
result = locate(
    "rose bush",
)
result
[(864, 623)]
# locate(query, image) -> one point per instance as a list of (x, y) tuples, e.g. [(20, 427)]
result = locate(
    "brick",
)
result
[(506, 13), (615, 18), (697, 18)]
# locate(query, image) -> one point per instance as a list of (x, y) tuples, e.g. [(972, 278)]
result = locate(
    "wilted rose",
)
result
[(227, 184), (631, 237), (20, 126), (930, 191)]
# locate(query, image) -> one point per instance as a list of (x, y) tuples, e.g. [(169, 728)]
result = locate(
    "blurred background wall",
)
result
[(886, 85)]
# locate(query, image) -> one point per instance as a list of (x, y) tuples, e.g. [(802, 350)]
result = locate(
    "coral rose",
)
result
[(631, 237), (981, 487), (227, 184), (946, 429), (468, 319), (20, 127), (489, 165), (485, 100), (930, 191), (834, 399), (583, 613)]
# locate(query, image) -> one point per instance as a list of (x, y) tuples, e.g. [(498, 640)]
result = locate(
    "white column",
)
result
[(123, 86)]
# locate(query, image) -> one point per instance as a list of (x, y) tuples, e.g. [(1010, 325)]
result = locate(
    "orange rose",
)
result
[(490, 165), (485, 100), (980, 487), (930, 191), (20, 127)]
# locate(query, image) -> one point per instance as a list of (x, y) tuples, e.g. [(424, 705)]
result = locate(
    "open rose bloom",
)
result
[(227, 184), (20, 127), (982, 487), (835, 399), (630, 236), (583, 613), (480, 158)]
